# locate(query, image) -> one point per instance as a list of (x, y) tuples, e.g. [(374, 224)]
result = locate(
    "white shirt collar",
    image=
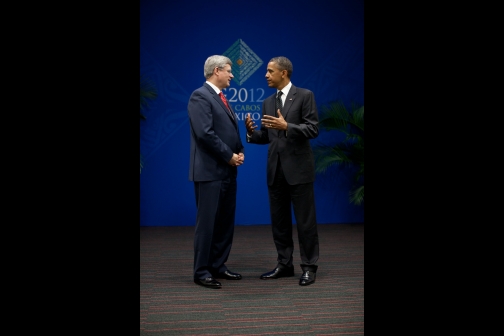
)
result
[(285, 90), (217, 90)]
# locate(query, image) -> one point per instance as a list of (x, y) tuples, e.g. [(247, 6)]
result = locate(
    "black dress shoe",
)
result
[(279, 272), (208, 282), (229, 275), (307, 278)]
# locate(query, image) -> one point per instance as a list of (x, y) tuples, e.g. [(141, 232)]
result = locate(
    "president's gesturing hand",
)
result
[(274, 123)]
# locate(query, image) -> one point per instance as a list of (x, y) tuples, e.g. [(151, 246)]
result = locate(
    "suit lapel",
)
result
[(233, 117), (221, 103), (288, 101), (235, 123), (272, 106)]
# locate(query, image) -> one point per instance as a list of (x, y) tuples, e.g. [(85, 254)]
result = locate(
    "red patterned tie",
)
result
[(224, 99), (226, 103)]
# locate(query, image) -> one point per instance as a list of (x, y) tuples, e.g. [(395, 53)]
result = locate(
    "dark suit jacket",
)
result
[(291, 146), (214, 136)]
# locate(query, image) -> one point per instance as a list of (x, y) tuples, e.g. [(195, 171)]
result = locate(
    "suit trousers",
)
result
[(214, 229), (302, 198)]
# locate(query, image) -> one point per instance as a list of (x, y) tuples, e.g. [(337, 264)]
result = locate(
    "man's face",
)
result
[(225, 76), (274, 75)]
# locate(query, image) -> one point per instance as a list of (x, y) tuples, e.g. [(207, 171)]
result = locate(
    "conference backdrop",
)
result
[(323, 39)]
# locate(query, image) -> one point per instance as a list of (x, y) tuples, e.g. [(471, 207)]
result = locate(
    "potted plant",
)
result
[(348, 153)]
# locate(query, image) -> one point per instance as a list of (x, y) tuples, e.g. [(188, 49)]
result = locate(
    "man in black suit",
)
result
[(287, 125), (216, 152)]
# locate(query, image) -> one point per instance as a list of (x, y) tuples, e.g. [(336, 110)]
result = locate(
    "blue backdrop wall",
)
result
[(323, 39)]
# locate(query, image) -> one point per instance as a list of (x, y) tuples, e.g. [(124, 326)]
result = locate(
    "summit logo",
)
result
[(246, 60)]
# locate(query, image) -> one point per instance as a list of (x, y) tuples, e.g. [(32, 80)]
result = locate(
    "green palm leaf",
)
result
[(147, 92), (348, 153), (357, 195)]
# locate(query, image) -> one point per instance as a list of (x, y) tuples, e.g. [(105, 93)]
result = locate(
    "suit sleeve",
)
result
[(308, 127), (201, 119), (259, 136)]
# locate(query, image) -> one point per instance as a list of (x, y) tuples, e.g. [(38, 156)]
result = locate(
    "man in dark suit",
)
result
[(216, 152), (287, 125)]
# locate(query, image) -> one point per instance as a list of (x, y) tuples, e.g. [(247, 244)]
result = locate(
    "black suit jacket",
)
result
[(214, 136), (292, 147)]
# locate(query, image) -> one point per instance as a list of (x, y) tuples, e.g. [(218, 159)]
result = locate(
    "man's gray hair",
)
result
[(215, 61)]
